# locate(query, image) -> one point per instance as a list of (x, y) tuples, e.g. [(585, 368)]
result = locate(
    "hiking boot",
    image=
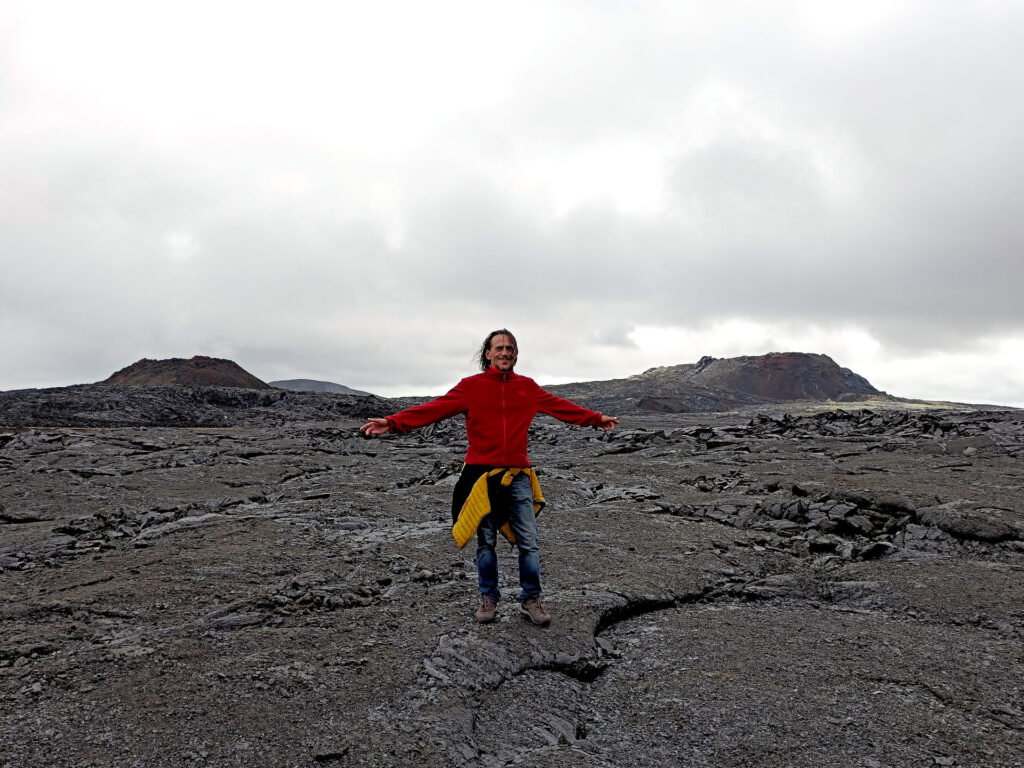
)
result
[(485, 611), (534, 610)]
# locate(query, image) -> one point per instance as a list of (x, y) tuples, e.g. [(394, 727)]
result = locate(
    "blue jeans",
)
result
[(515, 501)]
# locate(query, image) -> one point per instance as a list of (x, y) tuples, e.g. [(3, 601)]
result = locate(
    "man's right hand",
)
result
[(375, 427)]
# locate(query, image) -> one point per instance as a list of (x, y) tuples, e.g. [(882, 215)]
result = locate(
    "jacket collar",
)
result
[(494, 373)]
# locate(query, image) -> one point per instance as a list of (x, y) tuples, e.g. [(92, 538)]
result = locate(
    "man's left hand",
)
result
[(375, 427), (608, 423)]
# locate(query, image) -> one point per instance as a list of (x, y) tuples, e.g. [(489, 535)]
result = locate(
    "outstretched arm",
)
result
[(568, 411), (418, 416)]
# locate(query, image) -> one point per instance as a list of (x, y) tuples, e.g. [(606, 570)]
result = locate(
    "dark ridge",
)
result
[(638, 606), (103, 405), (312, 385), (721, 384)]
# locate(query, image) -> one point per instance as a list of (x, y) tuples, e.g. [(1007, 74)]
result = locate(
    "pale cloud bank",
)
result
[(359, 192)]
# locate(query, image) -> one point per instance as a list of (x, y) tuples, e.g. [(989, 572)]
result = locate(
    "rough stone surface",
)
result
[(834, 588), (102, 405)]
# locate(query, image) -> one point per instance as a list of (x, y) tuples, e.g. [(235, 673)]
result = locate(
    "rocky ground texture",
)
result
[(773, 588)]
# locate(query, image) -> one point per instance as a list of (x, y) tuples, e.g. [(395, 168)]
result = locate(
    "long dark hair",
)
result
[(486, 347)]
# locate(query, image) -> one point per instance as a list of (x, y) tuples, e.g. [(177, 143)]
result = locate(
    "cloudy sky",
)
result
[(359, 192)]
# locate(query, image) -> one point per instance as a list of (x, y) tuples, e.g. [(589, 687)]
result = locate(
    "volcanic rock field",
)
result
[(239, 578)]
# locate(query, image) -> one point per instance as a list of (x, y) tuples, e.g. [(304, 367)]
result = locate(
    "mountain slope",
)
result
[(715, 384), (312, 385), (199, 371)]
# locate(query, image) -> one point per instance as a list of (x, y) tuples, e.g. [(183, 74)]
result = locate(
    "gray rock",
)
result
[(967, 520), (184, 524), (781, 596)]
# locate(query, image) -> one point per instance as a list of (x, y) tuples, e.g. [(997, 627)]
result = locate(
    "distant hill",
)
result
[(199, 371), (717, 384), (312, 385), (175, 393)]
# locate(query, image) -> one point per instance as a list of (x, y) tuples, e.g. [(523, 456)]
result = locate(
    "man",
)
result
[(498, 488)]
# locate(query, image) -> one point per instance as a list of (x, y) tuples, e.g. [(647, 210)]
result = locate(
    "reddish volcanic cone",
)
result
[(200, 371), (781, 376)]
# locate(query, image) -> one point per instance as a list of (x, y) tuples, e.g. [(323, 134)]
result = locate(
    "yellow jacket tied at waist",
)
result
[(478, 504)]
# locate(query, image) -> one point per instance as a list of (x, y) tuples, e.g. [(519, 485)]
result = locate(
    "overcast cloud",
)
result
[(359, 192)]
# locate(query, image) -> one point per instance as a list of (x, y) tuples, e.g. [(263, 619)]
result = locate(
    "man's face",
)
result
[(502, 354)]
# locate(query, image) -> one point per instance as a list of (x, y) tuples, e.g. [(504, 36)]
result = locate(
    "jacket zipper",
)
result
[(504, 422)]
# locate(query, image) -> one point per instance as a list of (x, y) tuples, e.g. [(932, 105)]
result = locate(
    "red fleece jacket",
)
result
[(499, 408)]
